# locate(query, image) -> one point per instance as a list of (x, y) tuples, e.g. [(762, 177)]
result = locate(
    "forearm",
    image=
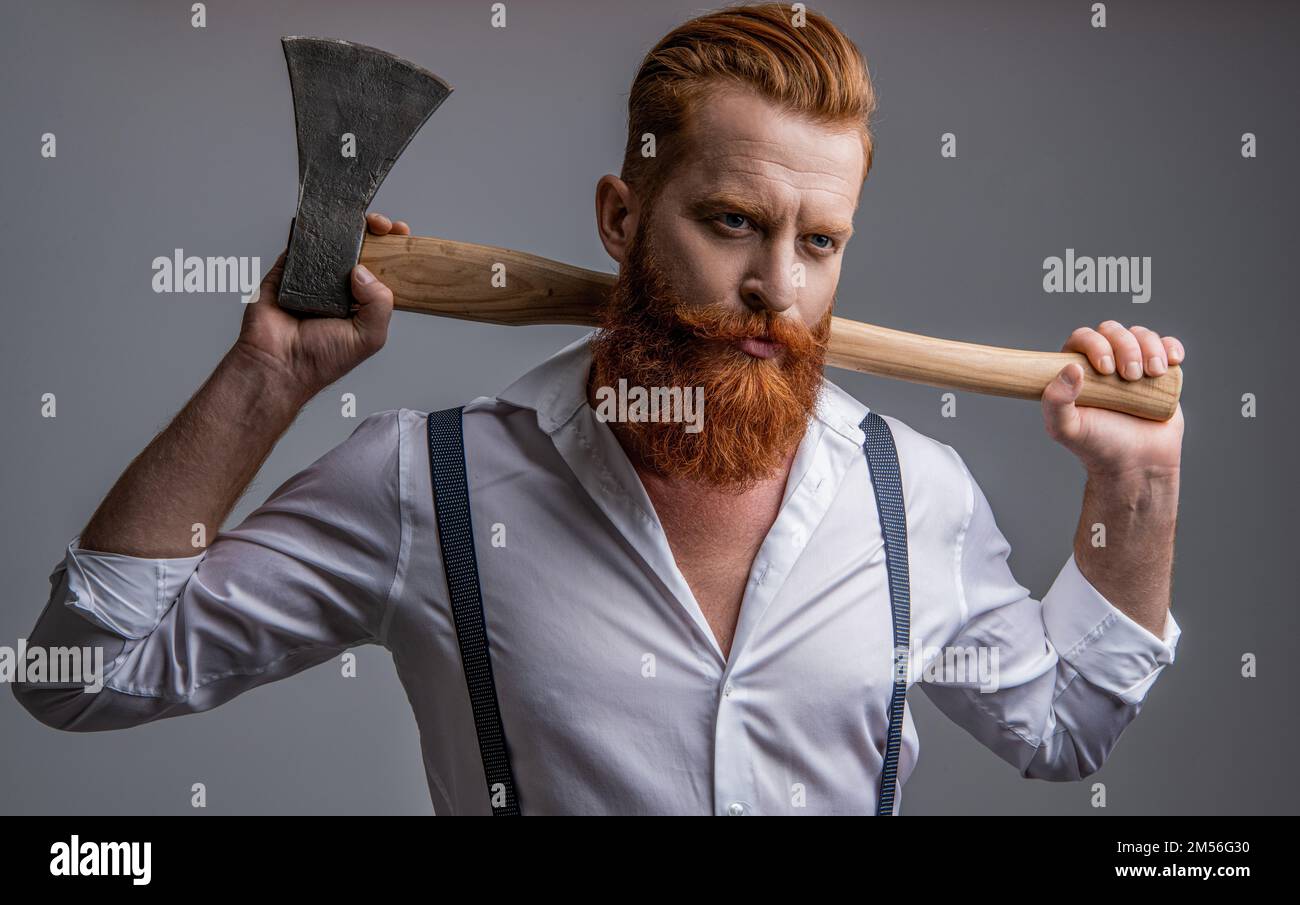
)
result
[(198, 467), (1134, 570)]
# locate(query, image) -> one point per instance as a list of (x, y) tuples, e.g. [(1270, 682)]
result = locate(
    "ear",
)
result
[(617, 213)]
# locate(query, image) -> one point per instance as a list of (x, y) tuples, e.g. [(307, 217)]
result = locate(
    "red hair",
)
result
[(811, 69)]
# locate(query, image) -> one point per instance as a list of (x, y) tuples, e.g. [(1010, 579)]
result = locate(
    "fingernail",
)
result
[(1107, 364), (364, 276), (1133, 370), (1157, 366), (1067, 377)]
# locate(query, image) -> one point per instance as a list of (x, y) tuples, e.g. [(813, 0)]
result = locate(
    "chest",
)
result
[(601, 658), (604, 663), (714, 539)]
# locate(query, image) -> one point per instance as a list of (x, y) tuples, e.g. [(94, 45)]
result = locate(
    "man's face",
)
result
[(727, 284), (758, 215)]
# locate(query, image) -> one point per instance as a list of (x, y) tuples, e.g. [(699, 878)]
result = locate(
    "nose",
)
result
[(770, 282)]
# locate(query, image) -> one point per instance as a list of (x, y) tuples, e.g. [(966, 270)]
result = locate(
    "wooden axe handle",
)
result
[(454, 279)]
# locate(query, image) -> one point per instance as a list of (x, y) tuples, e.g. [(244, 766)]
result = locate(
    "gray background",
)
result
[(1122, 141)]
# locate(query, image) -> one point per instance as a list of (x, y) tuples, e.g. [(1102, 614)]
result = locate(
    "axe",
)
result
[(340, 87)]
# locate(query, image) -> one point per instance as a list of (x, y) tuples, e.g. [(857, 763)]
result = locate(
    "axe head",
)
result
[(342, 89)]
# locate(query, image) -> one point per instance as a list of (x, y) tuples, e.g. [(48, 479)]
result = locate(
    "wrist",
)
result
[(1143, 487), (275, 381)]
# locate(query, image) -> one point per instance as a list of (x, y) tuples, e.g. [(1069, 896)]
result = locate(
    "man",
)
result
[(676, 621)]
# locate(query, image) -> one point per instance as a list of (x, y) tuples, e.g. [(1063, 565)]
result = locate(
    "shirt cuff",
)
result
[(1106, 646), (127, 595)]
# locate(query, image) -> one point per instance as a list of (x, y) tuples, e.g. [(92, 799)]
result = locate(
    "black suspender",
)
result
[(882, 459), (456, 537)]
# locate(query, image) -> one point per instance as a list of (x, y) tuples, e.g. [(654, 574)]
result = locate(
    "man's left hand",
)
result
[(1114, 444)]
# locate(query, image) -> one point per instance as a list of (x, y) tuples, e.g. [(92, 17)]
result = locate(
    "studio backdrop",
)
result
[(1007, 134)]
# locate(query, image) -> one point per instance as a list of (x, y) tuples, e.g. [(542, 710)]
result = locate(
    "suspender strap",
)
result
[(456, 536), (882, 457)]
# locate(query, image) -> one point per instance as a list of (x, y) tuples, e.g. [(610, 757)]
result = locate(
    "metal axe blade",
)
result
[(380, 99)]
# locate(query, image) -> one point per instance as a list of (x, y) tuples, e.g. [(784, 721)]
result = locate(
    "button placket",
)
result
[(733, 761)]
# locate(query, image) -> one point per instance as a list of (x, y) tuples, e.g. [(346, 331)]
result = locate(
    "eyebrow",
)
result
[(721, 201)]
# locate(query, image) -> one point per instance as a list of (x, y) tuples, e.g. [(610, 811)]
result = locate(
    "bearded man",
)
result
[(603, 616)]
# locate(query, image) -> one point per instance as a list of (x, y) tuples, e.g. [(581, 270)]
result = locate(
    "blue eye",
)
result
[(828, 240), (735, 221)]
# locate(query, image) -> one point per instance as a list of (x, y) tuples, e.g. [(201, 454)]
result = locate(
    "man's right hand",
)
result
[(310, 353)]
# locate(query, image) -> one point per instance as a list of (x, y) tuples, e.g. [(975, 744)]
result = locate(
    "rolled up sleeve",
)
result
[(1072, 671), (1099, 640), (126, 595), (305, 576)]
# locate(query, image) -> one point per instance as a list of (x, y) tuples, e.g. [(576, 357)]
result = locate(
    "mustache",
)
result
[(725, 324), (646, 310)]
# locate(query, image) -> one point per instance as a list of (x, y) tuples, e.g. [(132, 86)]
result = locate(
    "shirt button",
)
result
[(735, 809), (727, 690), (797, 537)]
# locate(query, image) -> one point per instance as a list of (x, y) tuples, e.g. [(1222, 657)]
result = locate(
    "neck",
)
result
[(660, 486)]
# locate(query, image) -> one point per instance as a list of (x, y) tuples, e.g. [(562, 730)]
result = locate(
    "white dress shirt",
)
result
[(614, 693)]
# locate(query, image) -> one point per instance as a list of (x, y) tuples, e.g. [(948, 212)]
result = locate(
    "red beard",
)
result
[(755, 409)]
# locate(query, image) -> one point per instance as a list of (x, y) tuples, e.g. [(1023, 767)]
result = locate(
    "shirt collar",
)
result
[(557, 388)]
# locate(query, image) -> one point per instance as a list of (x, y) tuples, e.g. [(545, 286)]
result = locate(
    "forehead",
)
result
[(740, 140)]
